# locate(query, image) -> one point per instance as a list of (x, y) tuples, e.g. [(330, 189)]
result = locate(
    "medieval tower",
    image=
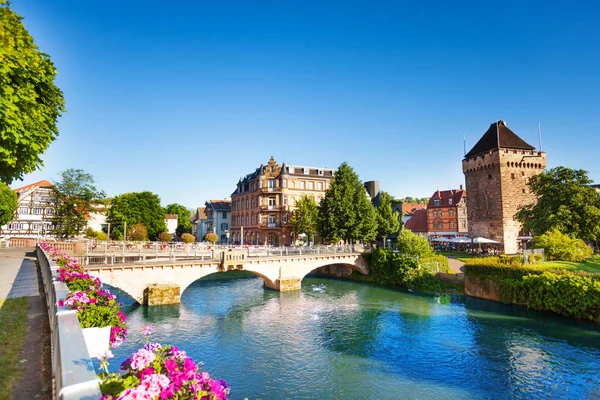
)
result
[(496, 172)]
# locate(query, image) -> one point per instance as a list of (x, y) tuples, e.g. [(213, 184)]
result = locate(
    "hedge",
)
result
[(440, 259), (560, 291)]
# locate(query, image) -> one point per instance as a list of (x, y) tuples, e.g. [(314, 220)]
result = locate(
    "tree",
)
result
[(8, 204), (184, 222), (211, 237), (346, 213), (137, 232), (562, 247), (137, 207), (305, 216), (30, 101), (165, 237), (388, 221), (75, 196), (187, 237), (413, 245), (565, 201)]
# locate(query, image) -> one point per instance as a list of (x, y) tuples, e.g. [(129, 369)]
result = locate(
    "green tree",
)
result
[(562, 247), (137, 232), (75, 196), (187, 237), (165, 237), (184, 221), (305, 217), (8, 204), (137, 207), (565, 201), (413, 245), (211, 237), (388, 221), (30, 101), (346, 213)]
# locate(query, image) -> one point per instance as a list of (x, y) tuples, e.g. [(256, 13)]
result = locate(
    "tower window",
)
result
[(490, 176), (512, 176)]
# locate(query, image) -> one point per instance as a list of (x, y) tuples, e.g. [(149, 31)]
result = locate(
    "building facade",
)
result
[(496, 171), (218, 217), (199, 224), (265, 199), (447, 213), (171, 221), (35, 210)]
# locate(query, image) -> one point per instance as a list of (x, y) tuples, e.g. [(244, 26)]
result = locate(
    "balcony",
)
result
[(272, 207)]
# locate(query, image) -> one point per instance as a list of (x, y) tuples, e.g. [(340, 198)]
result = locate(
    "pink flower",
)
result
[(141, 359), (148, 330)]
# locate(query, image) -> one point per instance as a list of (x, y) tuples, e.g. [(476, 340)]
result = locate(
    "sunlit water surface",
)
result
[(339, 339)]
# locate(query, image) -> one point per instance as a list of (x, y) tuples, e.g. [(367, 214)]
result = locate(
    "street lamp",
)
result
[(227, 234)]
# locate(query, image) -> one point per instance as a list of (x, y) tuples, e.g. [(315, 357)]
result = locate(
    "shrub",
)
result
[(138, 232), (187, 237), (412, 244), (211, 237), (560, 247), (535, 258), (442, 261), (100, 236), (89, 232), (164, 237)]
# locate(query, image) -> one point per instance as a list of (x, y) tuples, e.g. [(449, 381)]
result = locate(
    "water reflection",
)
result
[(338, 339)]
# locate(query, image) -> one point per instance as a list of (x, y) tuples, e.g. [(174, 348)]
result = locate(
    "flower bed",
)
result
[(96, 307), (159, 372)]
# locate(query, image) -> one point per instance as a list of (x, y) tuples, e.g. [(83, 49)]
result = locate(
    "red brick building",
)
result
[(447, 213)]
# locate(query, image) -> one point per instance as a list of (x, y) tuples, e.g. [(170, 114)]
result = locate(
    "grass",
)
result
[(13, 330), (591, 265)]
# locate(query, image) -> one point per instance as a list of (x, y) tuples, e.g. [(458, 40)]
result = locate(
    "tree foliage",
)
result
[(562, 247), (388, 221), (75, 196), (137, 232), (8, 204), (184, 222), (346, 213), (415, 200), (305, 216), (412, 244), (137, 207), (565, 201), (30, 102), (165, 237), (187, 237), (211, 237)]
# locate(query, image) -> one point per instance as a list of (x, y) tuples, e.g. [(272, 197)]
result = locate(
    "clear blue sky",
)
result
[(183, 97)]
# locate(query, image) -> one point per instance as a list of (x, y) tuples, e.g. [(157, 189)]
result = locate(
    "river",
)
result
[(338, 339)]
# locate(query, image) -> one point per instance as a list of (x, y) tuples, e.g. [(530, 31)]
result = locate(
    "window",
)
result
[(247, 203), (224, 214), (284, 199), (302, 185), (489, 176), (512, 175), (320, 186), (284, 218), (224, 226), (463, 224), (450, 200), (451, 224), (291, 170), (272, 219), (306, 171), (451, 213), (293, 185), (37, 211), (23, 210), (320, 172), (436, 202), (272, 203), (253, 219), (284, 182), (272, 168), (271, 183), (311, 186)]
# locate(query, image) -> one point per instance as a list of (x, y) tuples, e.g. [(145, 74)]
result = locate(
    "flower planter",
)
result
[(97, 340)]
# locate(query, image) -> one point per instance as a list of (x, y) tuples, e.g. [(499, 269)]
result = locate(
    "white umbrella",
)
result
[(483, 240), (440, 239), (460, 239)]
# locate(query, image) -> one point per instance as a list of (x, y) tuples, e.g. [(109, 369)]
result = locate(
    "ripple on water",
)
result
[(350, 340)]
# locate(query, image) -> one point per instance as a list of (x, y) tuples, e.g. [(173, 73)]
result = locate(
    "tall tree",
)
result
[(565, 201), (346, 213), (305, 216), (75, 196), (8, 204), (30, 101), (137, 207), (184, 222), (388, 221)]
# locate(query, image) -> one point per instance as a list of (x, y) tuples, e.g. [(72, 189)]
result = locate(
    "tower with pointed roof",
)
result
[(496, 173)]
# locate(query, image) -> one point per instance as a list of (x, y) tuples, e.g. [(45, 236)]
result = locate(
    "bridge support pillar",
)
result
[(162, 294), (285, 284)]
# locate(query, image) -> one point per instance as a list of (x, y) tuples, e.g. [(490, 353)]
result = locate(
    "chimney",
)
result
[(461, 187)]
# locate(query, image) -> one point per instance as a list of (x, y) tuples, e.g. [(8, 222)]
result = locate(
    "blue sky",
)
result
[(183, 97)]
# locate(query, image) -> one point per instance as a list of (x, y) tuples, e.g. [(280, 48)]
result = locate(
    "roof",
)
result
[(200, 214), (418, 222), (171, 216), (444, 195), (42, 183), (489, 140), (220, 205), (410, 208)]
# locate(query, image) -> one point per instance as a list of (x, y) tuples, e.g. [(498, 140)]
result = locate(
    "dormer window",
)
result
[(436, 202), (306, 171), (450, 200), (291, 170), (320, 172)]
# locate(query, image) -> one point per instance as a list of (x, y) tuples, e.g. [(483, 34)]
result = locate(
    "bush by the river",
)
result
[(389, 267), (413, 245), (561, 247), (563, 292), (442, 262)]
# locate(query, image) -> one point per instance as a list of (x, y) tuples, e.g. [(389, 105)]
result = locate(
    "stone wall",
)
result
[(334, 270)]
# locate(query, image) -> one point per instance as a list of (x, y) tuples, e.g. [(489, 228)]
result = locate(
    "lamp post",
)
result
[(227, 234)]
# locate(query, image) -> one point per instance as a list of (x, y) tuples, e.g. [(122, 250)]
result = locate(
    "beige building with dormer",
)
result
[(265, 199), (35, 210)]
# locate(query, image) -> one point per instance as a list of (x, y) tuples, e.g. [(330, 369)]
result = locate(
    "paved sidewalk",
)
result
[(456, 265), (18, 273)]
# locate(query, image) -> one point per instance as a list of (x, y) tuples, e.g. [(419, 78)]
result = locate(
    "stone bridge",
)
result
[(163, 282)]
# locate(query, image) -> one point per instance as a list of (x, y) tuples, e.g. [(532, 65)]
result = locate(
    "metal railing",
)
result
[(73, 372)]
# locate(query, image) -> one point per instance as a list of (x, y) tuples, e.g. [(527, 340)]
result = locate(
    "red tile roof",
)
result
[(456, 195), (221, 205), (43, 183), (410, 208), (171, 216), (418, 222)]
